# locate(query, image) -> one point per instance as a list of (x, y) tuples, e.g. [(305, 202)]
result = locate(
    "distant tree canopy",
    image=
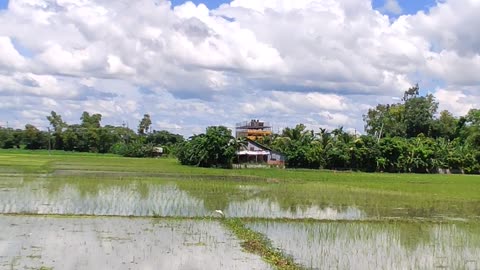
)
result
[(90, 136), (415, 116), (144, 125), (407, 136)]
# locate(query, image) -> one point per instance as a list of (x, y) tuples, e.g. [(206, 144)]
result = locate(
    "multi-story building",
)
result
[(253, 130)]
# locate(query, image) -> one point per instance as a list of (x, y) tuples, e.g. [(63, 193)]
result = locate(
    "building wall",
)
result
[(276, 157)]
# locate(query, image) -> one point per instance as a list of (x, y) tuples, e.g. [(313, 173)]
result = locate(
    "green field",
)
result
[(401, 207)]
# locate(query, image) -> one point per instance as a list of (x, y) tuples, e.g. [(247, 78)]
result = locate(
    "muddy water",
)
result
[(119, 243), (358, 245)]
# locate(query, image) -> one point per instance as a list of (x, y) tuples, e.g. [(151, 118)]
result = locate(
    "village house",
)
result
[(254, 153)]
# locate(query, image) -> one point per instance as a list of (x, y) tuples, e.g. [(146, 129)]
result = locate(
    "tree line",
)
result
[(91, 136), (407, 136)]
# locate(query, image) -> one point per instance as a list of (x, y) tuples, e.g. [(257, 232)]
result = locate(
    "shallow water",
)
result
[(116, 200), (163, 198), (358, 245), (127, 195), (122, 243), (119, 243), (264, 208)]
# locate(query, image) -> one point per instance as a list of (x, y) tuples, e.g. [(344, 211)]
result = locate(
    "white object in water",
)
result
[(220, 213)]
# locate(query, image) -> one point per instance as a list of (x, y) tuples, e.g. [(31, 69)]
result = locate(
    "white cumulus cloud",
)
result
[(318, 61)]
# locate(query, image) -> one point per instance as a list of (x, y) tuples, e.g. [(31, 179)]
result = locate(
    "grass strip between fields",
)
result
[(257, 243), (255, 219)]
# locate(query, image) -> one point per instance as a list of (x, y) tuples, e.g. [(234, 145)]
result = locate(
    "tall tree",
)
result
[(164, 137), (34, 138), (412, 92), (144, 125), (386, 121), (471, 129), (419, 115), (445, 126), (91, 121), (413, 117), (10, 138), (58, 126)]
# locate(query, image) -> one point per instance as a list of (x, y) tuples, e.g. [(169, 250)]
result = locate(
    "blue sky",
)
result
[(209, 3), (3, 4), (408, 6)]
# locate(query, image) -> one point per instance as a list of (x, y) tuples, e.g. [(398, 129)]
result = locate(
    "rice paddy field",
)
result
[(82, 211)]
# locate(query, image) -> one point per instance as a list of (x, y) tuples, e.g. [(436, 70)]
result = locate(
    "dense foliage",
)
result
[(215, 148), (408, 136), (91, 136)]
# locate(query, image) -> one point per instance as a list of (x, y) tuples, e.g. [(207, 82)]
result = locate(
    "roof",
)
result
[(264, 147), (259, 145)]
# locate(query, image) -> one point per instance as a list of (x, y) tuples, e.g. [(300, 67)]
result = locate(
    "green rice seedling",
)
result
[(374, 245)]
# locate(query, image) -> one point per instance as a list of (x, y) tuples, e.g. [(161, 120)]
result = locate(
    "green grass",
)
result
[(39, 161), (377, 194), (257, 243), (436, 187), (390, 197)]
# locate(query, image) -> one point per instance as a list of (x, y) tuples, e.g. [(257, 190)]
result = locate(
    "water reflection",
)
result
[(272, 209), (153, 198), (119, 243), (376, 245), (162, 200), (127, 195)]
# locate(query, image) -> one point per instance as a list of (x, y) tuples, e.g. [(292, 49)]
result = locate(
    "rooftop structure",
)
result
[(253, 130)]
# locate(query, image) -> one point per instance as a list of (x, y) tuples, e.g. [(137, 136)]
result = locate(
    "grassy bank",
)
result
[(257, 243)]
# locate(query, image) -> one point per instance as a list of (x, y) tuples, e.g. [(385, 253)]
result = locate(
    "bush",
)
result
[(215, 148), (133, 149)]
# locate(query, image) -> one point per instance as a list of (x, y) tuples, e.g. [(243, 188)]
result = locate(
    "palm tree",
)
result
[(237, 144)]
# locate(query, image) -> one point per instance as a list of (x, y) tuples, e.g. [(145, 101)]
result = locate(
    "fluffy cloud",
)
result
[(29, 84), (392, 6), (458, 101), (10, 58), (328, 45), (322, 62)]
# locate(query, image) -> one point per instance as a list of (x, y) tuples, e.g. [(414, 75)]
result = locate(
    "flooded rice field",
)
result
[(365, 245), (156, 221), (119, 243), (179, 197), (159, 198)]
